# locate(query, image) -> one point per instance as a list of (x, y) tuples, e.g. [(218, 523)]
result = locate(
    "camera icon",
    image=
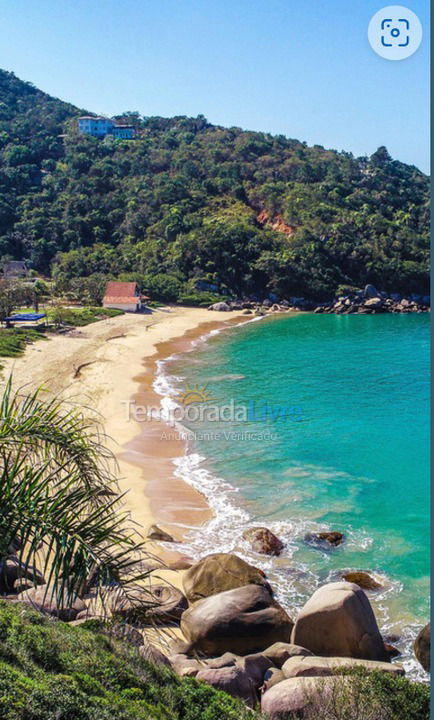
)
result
[(395, 32)]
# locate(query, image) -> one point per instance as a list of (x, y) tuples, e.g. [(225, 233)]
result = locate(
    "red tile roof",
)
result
[(122, 290)]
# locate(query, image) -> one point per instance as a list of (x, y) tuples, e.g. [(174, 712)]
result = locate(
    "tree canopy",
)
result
[(241, 211)]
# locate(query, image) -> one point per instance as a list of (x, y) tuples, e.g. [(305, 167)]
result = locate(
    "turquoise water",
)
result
[(351, 452)]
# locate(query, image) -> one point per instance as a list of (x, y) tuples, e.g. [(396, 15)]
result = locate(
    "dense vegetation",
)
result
[(189, 206), (52, 670)]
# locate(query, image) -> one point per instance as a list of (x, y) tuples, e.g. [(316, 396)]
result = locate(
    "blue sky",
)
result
[(303, 69)]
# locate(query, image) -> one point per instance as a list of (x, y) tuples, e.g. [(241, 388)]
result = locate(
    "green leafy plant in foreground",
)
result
[(59, 503)]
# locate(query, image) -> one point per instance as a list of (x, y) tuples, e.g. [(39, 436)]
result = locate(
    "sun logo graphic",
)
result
[(194, 394)]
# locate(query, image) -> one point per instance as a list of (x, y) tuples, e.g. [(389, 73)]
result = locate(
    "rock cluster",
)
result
[(368, 301)]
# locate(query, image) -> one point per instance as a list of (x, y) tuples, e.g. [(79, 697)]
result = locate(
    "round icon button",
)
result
[(395, 32)]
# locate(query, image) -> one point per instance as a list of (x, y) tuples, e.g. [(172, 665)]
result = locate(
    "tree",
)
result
[(59, 504), (11, 296)]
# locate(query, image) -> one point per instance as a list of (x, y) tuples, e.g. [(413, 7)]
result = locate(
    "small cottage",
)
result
[(15, 269), (122, 296)]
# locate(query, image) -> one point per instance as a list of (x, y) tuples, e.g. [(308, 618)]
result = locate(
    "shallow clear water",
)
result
[(347, 449)]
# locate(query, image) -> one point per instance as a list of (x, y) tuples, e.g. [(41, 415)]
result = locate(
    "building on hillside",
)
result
[(100, 127), (15, 269), (123, 296)]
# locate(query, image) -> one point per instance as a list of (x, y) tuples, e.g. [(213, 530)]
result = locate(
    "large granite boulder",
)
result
[(244, 620), (255, 666), (217, 573), (185, 666), (232, 680), (263, 541), (370, 292), (422, 647), (44, 599), (315, 666), (153, 655), (297, 695), (338, 620), (280, 652)]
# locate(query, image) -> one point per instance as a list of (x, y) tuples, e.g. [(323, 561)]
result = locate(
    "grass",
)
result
[(13, 341), (82, 316), (50, 670)]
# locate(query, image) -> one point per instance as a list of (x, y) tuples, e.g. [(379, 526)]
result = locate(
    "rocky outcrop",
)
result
[(325, 539), (242, 621), (217, 573), (338, 621), (370, 300), (280, 652), (263, 541), (44, 599), (232, 680), (315, 666), (155, 533), (422, 647)]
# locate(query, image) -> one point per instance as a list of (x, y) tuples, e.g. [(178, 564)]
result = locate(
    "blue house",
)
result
[(100, 127)]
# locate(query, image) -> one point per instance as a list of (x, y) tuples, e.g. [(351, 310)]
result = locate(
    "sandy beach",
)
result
[(106, 367)]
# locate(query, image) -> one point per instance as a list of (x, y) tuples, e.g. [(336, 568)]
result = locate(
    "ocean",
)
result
[(313, 422)]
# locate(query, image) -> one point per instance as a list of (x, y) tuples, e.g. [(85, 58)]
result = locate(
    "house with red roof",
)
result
[(123, 296)]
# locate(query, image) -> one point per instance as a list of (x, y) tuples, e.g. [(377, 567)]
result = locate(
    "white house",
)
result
[(101, 126), (123, 296)]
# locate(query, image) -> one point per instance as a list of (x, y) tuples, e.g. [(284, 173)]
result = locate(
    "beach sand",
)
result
[(103, 367)]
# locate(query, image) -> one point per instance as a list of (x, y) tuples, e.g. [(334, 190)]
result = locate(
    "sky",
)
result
[(292, 67)]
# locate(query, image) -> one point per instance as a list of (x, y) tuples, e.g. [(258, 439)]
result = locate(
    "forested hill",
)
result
[(187, 203)]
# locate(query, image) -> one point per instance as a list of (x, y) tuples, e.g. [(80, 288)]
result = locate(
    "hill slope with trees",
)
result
[(189, 205)]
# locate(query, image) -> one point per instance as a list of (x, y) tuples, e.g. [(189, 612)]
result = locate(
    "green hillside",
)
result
[(188, 203)]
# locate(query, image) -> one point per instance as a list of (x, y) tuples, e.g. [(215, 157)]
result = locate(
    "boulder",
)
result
[(220, 307), (314, 666), (422, 647), (338, 620), (271, 678), (217, 573), (370, 292), (43, 598), (297, 695), (14, 573), (325, 539), (231, 680), (374, 303), (255, 666), (155, 533), (226, 660), (242, 621), (362, 579), (263, 541), (267, 303), (153, 655), (247, 312), (185, 666), (280, 652)]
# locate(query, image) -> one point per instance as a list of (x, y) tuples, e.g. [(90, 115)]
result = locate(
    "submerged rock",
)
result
[(263, 541), (338, 620), (243, 621), (325, 539)]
